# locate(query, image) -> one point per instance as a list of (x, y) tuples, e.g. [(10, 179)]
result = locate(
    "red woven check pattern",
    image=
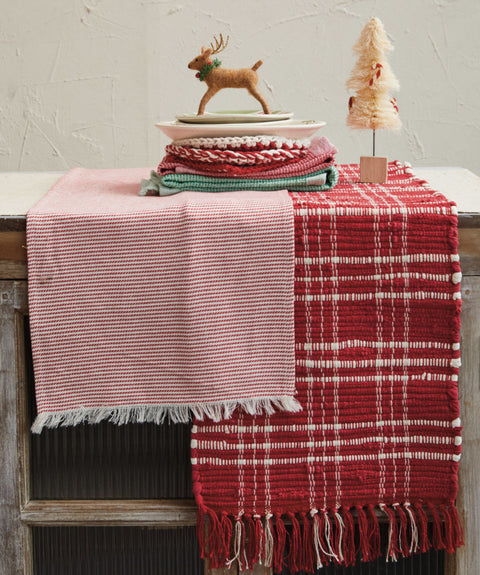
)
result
[(377, 319)]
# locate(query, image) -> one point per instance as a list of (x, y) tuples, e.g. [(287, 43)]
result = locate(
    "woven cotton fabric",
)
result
[(146, 308), (244, 143), (238, 157), (377, 321), (320, 156), (317, 181)]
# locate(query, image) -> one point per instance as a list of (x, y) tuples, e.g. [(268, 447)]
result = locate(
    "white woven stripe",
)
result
[(424, 423), (385, 377), (314, 383), (379, 333), (374, 344), (406, 316), (367, 211), (401, 454), (308, 340), (268, 494), (336, 407), (241, 471), (254, 453), (379, 362), (419, 295), (310, 445), (448, 278), (407, 258)]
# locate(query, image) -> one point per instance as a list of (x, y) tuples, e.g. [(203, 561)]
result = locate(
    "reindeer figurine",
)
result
[(217, 78)]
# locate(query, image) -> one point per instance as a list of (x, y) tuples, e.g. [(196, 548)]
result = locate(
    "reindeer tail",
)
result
[(257, 65)]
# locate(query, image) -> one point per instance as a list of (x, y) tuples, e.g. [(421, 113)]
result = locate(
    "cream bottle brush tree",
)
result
[(372, 80)]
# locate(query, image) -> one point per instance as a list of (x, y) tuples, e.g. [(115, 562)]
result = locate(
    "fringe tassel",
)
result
[(447, 530), (294, 553), (392, 549), (318, 538), (201, 530), (414, 529), (325, 552), (165, 413), (260, 544), (329, 538), (437, 539), (279, 544), (251, 543), (339, 532), (237, 545), (307, 545), (403, 545), (317, 530), (215, 540), (374, 534), (364, 540), (458, 540), (423, 528), (227, 531), (349, 539), (269, 542), (242, 560)]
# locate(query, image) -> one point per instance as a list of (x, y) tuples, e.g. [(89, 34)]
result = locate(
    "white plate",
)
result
[(294, 129), (242, 117)]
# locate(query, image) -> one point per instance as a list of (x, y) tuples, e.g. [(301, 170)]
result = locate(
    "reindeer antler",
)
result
[(219, 44)]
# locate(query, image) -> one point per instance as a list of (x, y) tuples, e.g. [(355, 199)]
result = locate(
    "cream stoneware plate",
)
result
[(295, 129), (241, 117)]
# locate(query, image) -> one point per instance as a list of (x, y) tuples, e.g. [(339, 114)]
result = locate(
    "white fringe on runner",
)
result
[(161, 413)]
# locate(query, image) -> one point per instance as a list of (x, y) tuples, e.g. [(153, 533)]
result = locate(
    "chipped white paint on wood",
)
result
[(119, 512), (20, 191), (467, 559), (14, 540)]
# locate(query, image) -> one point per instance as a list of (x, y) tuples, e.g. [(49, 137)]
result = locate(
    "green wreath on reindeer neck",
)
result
[(207, 69)]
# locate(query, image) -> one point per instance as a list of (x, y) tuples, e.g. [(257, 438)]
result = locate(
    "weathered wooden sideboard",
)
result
[(130, 487)]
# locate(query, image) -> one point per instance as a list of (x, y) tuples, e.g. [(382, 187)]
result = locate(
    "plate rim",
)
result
[(281, 128), (236, 117), (248, 125)]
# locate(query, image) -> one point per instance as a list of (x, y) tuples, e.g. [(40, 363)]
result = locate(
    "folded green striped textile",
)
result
[(169, 184)]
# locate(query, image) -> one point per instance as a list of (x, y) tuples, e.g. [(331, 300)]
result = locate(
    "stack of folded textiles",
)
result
[(263, 163)]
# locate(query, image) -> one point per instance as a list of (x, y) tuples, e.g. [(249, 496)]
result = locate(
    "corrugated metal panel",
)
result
[(115, 551), (106, 461), (431, 563), (137, 551)]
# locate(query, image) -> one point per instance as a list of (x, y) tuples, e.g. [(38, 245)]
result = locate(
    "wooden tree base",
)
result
[(373, 169)]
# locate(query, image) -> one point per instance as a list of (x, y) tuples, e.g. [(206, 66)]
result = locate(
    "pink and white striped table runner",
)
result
[(143, 308)]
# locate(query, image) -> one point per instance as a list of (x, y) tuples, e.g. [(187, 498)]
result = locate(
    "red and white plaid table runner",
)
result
[(143, 308), (377, 321)]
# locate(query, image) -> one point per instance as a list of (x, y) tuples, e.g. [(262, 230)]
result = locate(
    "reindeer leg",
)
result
[(208, 95), (256, 94)]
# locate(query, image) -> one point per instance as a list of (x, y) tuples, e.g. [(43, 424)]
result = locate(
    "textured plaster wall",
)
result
[(84, 81)]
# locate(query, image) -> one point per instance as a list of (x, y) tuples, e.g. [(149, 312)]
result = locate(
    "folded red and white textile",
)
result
[(146, 308), (377, 325), (236, 157), (320, 155)]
